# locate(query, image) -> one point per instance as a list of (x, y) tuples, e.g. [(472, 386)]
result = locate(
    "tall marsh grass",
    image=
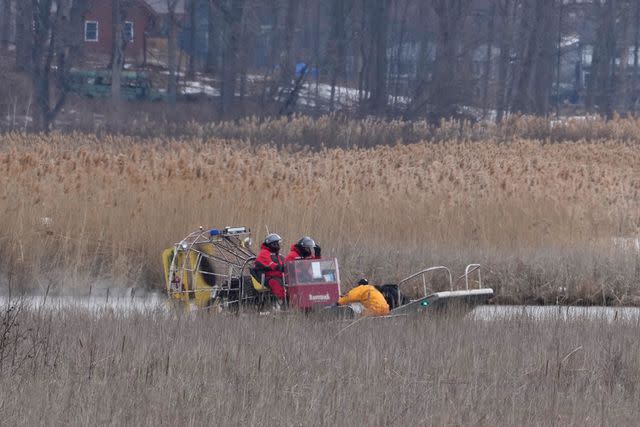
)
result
[(82, 210), (74, 368), (339, 131)]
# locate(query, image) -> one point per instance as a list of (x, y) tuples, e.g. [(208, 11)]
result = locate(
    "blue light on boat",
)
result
[(214, 232)]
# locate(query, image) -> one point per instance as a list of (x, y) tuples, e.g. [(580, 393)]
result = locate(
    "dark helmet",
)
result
[(272, 242), (363, 282), (305, 246)]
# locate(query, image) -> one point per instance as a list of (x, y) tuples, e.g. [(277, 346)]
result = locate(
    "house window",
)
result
[(128, 31), (91, 31)]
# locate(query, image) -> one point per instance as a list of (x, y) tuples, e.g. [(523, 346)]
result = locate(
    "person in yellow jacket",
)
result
[(371, 299)]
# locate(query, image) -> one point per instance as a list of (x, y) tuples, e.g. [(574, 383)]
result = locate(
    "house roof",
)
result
[(160, 6)]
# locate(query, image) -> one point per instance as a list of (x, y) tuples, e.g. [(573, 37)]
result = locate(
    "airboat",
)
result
[(212, 268)]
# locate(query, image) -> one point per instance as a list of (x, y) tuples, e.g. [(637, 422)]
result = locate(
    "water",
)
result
[(154, 302), (505, 312), (115, 304)]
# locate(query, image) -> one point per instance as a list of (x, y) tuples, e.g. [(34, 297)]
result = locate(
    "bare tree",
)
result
[(536, 59), (527, 36), (336, 49), (288, 33), (559, 57), (55, 39), (636, 51), (317, 35), (24, 34), (285, 82), (232, 12), (486, 78), (602, 84), (247, 40), (545, 59), (450, 84), (172, 87), (212, 38), (379, 10), (5, 23), (423, 65), (399, 48), (364, 47), (192, 10), (507, 14), (448, 47), (118, 49), (622, 94)]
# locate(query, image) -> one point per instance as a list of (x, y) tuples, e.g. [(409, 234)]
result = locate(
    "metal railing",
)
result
[(470, 269), (424, 278)]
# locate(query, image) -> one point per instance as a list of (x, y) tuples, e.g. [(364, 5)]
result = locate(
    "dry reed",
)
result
[(74, 368), (541, 217)]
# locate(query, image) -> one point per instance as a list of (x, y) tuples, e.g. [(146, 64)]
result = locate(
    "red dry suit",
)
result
[(271, 264), (295, 255)]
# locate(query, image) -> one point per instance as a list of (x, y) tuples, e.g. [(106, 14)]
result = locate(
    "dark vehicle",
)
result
[(135, 85)]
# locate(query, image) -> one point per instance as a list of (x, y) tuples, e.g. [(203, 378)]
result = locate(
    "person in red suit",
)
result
[(305, 248), (270, 265)]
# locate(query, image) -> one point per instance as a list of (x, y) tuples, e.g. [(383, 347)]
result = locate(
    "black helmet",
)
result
[(272, 241), (305, 246), (363, 282)]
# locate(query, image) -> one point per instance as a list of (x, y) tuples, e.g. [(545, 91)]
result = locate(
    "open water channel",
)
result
[(154, 302)]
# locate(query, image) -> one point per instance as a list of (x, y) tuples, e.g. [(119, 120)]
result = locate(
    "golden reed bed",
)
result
[(78, 210), (77, 368)]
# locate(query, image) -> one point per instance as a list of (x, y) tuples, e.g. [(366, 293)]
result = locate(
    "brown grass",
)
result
[(540, 216), (72, 368), (340, 131)]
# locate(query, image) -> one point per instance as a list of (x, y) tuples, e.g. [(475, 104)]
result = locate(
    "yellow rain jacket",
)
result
[(371, 298)]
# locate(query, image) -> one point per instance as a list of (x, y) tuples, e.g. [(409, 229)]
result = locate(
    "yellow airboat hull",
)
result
[(190, 286)]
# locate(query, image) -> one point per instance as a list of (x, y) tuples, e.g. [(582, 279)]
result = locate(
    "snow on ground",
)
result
[(344, 97), (194, 87), (567, 119), (178, 73)]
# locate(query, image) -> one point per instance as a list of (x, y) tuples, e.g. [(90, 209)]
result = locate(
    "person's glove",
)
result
[(317, 251)]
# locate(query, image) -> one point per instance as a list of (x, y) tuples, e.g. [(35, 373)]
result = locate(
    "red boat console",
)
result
[(313, 283)]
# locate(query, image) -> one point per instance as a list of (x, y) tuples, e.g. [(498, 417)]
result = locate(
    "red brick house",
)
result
[(98, 29)]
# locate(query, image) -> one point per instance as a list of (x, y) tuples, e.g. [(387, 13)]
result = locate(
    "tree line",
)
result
[(400, 58)]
